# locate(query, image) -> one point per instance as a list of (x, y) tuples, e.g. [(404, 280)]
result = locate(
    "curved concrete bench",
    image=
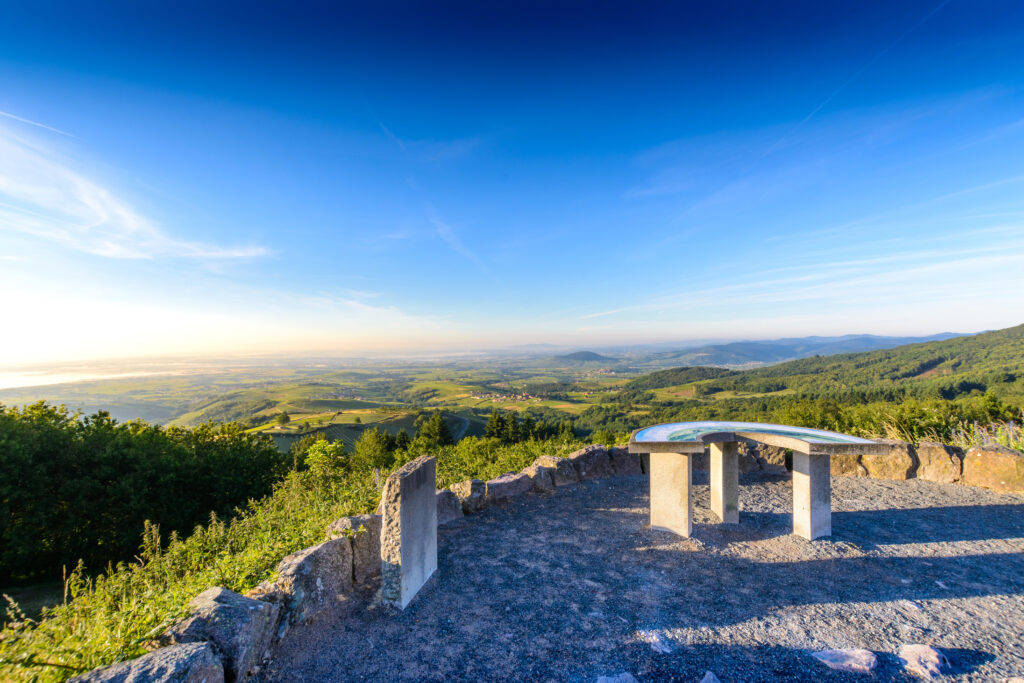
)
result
[(671, 469)]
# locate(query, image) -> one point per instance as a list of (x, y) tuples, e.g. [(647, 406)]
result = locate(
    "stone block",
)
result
[(899, 463), (541, 478), (311, 582), (564, 475), (186, 663), (671, 492), (771, 455), (592, 462), (363, 533), (939, 462), (812, 496), (848, 465), (240, 627), (748, 463), (449, 508), (470, 494), (996, 468), (408, 542), (506, 487), (624, 463)]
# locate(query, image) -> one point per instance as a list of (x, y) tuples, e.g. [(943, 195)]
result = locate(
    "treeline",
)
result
[(507, 427), (911, 419), (74, 487)]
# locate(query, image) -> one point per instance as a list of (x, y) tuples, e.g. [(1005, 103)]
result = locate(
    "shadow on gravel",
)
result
[(773, 663), (872, 528), (722, 590)]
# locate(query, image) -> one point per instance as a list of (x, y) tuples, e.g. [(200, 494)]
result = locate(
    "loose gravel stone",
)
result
[(924, 661), (854, 660)]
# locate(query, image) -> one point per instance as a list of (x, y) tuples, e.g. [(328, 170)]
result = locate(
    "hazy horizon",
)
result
[(196, 180)]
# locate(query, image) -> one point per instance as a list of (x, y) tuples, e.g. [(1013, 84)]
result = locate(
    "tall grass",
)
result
[(1008, 434), (113, 616)]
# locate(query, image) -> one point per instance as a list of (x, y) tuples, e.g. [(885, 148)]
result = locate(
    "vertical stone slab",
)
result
[(671, 477), (408, 540), (725, 481), (812, 496)]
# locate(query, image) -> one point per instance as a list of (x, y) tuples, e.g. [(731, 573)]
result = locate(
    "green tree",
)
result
[(528, 430), (495, 428), (373, 449), (283, 418), (511, 434), (402, 440), (326, 461), (435, 432)]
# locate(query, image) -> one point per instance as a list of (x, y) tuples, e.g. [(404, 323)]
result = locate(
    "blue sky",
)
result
[(353, 177)]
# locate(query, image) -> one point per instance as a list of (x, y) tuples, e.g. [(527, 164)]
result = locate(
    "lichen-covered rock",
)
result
[(996, 468), (363, 533), (449, 508), (899, 463), (540, 478), (311, 582), (186, 663), (470, 494), (592, 462), (624, 463), (507, 486), (938, 462), (564, 473), (240, 627), (847, 465)]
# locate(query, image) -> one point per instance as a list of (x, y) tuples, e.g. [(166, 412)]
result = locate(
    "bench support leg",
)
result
[(725, 481), (812, 496), (671, 476)]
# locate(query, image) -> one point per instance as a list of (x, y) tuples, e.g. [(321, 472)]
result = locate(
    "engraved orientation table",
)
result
[(671, 469)]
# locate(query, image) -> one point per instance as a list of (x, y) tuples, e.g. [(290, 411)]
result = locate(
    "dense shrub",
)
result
[(80, 489)]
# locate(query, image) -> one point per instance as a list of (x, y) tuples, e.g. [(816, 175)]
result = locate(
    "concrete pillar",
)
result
[(812, 496), (408, 538), (671, 477), (725, 481)]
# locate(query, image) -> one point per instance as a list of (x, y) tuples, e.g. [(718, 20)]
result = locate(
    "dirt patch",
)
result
[(573, 585)]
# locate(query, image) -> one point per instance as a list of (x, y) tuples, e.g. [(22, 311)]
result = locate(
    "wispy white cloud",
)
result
[(42, 195), (434, 150), (447, 234), (14, 117), (975, 266)]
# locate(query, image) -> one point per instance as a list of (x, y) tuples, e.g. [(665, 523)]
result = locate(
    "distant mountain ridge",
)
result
[(586, 357), (944, 368), (752, 353)]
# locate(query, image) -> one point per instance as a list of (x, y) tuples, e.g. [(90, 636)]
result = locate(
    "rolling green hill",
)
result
[(991, 361)]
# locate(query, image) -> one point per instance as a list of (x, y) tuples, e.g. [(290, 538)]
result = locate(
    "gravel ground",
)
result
[(573, 586)]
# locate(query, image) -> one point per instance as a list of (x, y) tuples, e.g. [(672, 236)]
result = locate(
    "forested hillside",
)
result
[(992, 361)]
